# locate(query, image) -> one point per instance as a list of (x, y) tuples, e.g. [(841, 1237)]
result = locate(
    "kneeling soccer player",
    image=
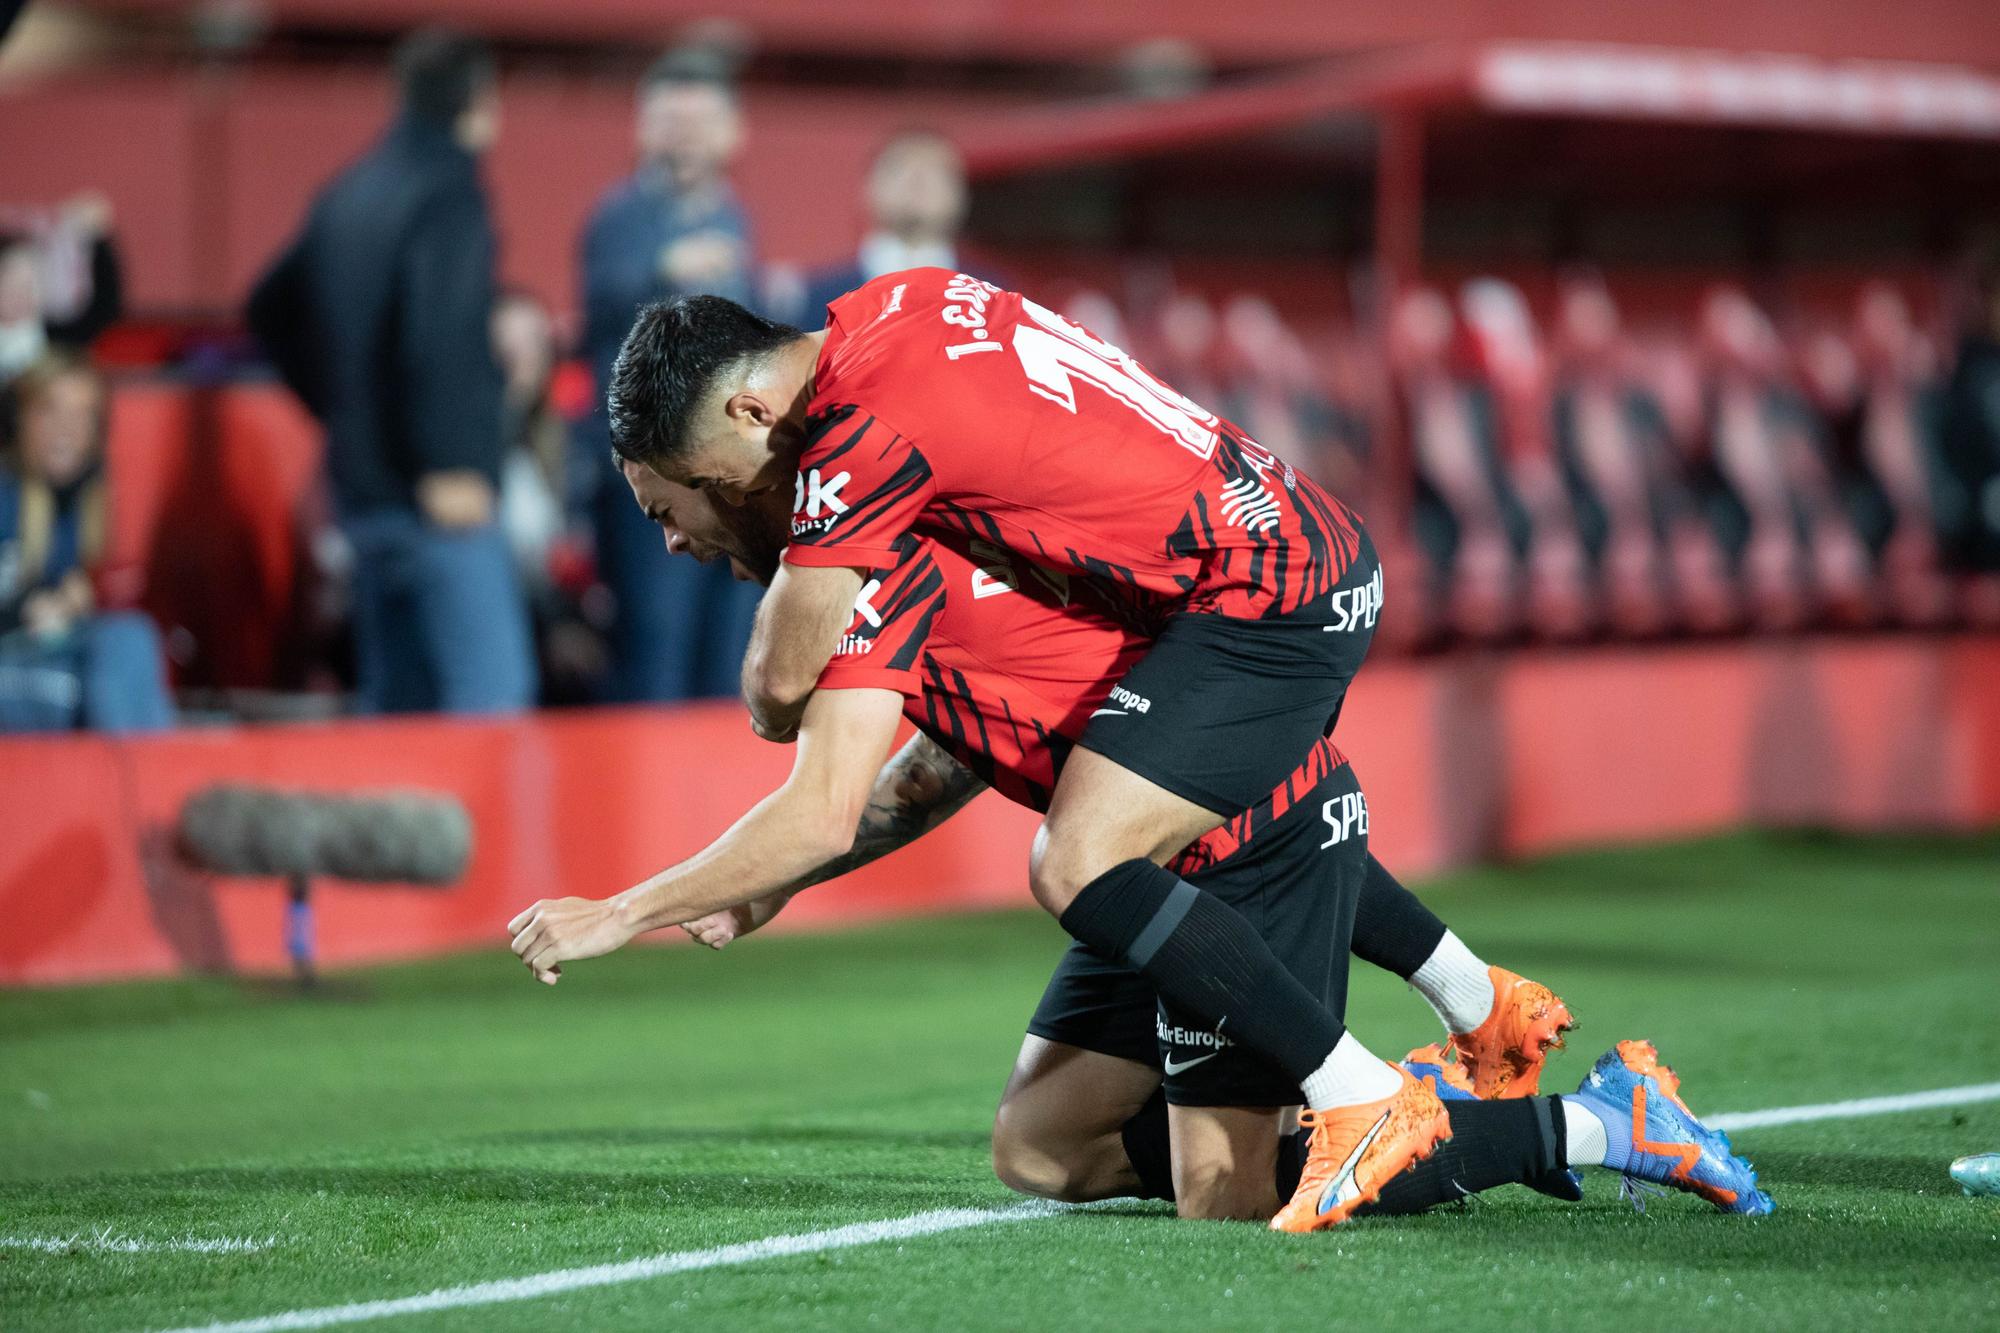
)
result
[(911, 636), (934, 400)]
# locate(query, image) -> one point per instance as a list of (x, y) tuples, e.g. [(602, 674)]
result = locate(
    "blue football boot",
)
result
[(1654, 1137)]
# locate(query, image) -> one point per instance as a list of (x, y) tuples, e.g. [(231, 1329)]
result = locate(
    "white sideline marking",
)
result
[(635, 1270), (1860, 1106), (106, 1242), (918, 1224)]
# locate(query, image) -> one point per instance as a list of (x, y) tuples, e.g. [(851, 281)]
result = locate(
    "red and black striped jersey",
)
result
[(941, 398), (1002, 663)]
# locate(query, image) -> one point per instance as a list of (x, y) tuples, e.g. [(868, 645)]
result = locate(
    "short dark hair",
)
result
[(440, 71), (672, 356)]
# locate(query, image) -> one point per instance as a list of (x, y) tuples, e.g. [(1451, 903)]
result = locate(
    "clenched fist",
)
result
[(557, 930)]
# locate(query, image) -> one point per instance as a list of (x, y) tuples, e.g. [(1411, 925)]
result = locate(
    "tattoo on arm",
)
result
[(916, 791)]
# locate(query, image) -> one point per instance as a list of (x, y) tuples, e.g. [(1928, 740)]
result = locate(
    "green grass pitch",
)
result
[(433, 1125)]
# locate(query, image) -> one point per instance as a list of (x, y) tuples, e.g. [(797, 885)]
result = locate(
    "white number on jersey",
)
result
[(1053, 350)]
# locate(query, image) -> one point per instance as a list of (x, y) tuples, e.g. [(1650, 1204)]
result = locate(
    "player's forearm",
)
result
[(916, 791), (799, 624), (782, 840), (775, 697), (779, 674)]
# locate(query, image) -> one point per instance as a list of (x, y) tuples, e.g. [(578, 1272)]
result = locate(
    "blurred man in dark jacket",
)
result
[(673, 228), (1968, 501), (377, 317)]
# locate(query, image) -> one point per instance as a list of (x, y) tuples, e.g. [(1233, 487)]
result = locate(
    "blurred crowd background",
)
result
[(303, 310)]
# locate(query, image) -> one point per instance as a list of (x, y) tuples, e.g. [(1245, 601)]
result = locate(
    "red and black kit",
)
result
[(944, 401), (1000, 663)]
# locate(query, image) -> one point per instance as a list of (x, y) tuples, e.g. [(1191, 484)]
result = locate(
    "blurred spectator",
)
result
[(534, 485), (377, 317), (1186, 345), (673, 229), (60, 280), (916, 197), (60, 284), (539, 488), (64, 660), (1968, 510)]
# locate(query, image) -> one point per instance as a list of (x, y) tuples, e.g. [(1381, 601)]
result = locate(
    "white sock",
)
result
[(1456, 983), (1584, 1133), (1349, 1075)]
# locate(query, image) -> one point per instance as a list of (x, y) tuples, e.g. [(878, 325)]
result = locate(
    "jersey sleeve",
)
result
[(861, 485), (893, 614)]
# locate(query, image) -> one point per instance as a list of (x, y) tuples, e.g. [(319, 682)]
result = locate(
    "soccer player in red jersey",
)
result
[(933, 396), (1000, 663)]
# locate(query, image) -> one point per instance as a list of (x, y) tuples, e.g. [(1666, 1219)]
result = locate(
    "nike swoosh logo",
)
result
[(1342, 1187), (1115, 712), (1186, 1065)]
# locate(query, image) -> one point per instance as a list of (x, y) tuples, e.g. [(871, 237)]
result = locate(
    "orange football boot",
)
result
[(1355, 1150), (1505, 1054)]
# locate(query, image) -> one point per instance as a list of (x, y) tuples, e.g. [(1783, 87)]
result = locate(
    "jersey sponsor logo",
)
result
[(1346, 815), (894, 303), (993, 582), (813, 494), (864, 603), (854, 645), (1176, 1035), (1357, 608), (816, 502), (998, 573), (1249, 506), (1123, 703)]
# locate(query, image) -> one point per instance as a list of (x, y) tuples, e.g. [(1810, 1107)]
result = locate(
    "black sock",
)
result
[(1510, 1142), (1147, 1147), (1291, 1161), (1392, 927), (1205, 957)]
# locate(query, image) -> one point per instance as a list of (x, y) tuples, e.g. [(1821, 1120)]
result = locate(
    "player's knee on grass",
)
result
[(1033, 1156), (1030, 1168), (1058, 1131)]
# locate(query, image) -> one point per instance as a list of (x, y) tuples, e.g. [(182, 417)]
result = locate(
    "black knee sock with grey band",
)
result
[(1392, 927), (1205, 957)]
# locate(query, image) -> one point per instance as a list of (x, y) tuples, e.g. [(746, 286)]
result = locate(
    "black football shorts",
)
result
[(1297, 878), (1220, 708)]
